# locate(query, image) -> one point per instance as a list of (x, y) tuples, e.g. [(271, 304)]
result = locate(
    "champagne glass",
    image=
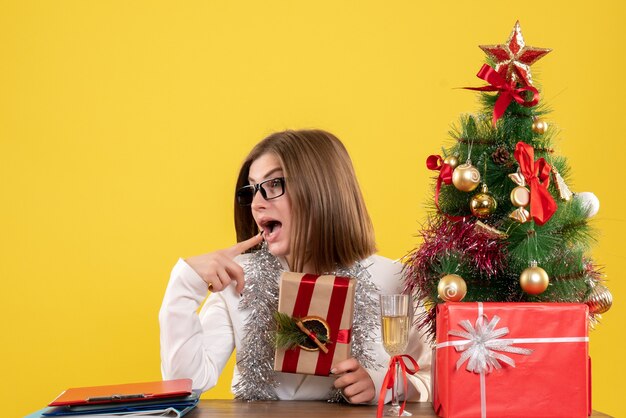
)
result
[(394, 312)]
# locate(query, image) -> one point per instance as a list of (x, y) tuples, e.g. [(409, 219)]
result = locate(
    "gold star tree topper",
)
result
[(514, 58)]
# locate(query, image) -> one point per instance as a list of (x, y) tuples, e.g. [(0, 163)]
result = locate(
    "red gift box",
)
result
[(330, 298), (512, 360)]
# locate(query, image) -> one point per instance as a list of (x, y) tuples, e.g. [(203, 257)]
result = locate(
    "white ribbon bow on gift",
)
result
[(483, 346)]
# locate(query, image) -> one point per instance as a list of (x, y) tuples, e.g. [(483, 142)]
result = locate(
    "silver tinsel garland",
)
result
[(256, 356)]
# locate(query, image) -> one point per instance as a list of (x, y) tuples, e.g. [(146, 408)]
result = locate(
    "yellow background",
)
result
[(123, 124)]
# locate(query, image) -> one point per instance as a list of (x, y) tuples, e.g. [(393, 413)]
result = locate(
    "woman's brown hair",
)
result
[(331, 225)]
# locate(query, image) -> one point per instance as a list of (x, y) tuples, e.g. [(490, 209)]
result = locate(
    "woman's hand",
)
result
[(354, 381), (218, 269)]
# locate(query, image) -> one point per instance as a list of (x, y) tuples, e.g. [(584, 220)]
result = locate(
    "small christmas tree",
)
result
[(504, 225)]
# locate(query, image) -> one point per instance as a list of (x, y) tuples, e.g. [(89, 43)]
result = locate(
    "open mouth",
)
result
[(270, 228)]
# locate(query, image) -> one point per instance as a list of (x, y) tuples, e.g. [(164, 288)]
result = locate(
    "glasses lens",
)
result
[(269, 189), (245, 195), (273, 188)]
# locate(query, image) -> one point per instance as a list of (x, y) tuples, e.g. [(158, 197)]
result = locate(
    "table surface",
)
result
[(301, 409)]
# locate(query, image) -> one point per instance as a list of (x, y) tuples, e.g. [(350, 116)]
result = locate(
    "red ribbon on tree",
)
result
[(537, 175), (390, 378), (508, 91), (435, 163)]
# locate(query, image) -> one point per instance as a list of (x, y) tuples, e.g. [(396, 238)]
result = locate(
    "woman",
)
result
[(297, 198)]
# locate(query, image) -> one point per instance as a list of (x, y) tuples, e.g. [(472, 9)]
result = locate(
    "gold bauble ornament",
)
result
[(600, 300), (451, 160), (534, 280), (452, 288), (466, 177), (483, 204), (539, 126)]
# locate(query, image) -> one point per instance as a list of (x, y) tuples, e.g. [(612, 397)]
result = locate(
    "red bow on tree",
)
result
[(508, 91), (537, 175), (390, 379), (435, 163)]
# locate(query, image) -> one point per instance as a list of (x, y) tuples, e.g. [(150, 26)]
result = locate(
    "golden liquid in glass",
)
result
[(395, 334)]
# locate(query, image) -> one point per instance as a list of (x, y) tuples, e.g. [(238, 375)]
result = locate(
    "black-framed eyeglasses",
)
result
[(270, 189)]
